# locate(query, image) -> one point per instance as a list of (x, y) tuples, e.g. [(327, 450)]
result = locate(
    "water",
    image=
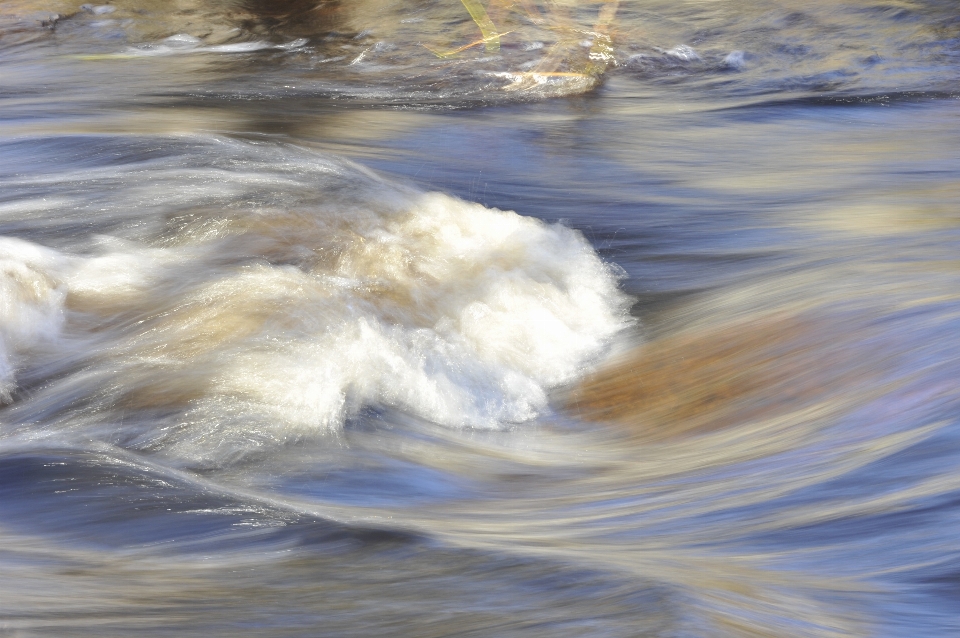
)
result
[(278, 357)]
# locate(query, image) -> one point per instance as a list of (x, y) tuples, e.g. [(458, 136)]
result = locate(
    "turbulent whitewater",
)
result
[(279, 294), (479, 318)]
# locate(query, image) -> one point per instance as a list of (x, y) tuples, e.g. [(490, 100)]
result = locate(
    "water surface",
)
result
[(641, 324)]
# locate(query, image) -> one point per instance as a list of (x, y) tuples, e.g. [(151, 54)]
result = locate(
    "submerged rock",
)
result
[(703, 380), (99, 10)]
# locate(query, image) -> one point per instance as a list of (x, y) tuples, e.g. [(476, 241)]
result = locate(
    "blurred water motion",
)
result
[(278, 358)]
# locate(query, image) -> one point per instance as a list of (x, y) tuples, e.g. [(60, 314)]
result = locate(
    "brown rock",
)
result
[(707, 379)]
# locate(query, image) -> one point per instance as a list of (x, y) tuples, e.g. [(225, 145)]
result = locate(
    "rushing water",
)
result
[(278, 358)]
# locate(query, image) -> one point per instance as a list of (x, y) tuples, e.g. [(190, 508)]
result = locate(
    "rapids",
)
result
[(628, 318)]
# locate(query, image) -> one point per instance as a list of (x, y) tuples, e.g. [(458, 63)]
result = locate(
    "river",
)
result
[(362, 318)]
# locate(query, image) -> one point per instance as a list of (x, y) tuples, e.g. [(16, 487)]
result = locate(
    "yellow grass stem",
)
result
[(487, 28), (453, 52)]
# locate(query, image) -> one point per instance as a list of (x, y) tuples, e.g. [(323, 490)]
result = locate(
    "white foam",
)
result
[(262, 325), (482, 312), (735, 60), (31, 303), (184, 43), (684, 53), (182, 40)]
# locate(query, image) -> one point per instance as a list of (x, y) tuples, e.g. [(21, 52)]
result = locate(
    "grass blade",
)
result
[(489, 31)]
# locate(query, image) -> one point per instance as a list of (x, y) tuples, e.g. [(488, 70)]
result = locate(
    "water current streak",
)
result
[(278, 357)]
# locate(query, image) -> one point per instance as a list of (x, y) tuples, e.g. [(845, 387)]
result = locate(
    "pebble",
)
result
[(99, 10), (220, 36)]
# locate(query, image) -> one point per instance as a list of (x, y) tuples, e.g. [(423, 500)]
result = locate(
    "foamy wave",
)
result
[(457, 313), (31, 303), (253, 325)]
